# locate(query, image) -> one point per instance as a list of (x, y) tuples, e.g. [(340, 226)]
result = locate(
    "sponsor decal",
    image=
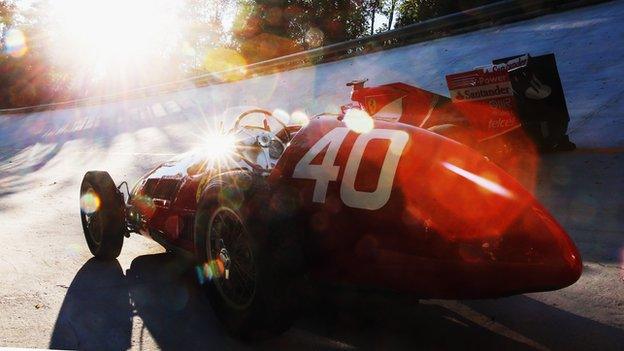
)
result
[(371, 104), (520, 61), (482, 92), (486, 97), (379, 107), (495, 68), (487, 76), (391, 112), (503, 122), (537, 90)]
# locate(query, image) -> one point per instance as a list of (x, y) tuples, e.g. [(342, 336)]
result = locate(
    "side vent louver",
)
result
[(188, 228)]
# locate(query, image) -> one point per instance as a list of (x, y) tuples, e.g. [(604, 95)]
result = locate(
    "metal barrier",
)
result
[(491, 15)]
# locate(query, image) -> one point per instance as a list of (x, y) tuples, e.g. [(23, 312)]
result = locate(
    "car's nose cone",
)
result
[(545, 256)]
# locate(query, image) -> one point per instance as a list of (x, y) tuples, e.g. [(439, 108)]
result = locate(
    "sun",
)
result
[(106, 36)]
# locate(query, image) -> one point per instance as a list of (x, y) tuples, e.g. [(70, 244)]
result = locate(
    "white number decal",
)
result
[(376, 199), (327, 171)]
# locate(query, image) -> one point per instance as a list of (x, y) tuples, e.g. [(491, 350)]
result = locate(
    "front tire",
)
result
[(249, 256), (102, 215)]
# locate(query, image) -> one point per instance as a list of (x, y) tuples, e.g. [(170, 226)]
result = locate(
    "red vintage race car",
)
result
[(344, 199)]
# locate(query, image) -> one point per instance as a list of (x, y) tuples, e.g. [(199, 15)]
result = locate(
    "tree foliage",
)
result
[(26, 77), (204, 29), (413, 11), (218, 35), (274, 28)]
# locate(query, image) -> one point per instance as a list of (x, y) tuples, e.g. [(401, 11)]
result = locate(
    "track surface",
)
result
[(53, 295)]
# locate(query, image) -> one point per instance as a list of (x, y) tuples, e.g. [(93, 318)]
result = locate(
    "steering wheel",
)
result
[(265, 121)]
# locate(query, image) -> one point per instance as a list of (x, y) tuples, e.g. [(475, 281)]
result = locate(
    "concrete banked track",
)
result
[(52, 294)]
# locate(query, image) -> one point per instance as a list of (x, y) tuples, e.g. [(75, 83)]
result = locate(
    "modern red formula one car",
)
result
[(345, 199), (491, 127)]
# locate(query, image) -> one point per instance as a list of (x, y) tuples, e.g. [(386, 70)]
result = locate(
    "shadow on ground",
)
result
[(102, 304)]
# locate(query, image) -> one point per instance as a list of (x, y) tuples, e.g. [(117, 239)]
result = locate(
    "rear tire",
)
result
[(267, 244), (102, 215)]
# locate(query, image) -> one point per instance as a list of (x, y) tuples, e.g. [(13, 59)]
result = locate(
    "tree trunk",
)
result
[(391, 17), (373, 22)]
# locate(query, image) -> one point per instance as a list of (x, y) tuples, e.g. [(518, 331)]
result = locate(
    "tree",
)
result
[(271, 28), (7, 10), (373, 7), (50, 69), (413, 11), (205, 29), (390, 12)]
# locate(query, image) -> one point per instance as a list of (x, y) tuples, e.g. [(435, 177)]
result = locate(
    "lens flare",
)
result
[(314, 37), (90, 202), (266, 46), (144, 204), (75, 250), (282, 115), (15, 43), (479, 180), (358, 121), (299, 118), (209, 271), (227, 61)]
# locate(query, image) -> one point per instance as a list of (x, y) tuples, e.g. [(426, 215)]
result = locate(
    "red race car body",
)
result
[(401, 207), (396, 207), (373, 203)]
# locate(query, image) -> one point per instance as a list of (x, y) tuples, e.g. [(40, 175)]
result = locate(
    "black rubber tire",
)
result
[(275, 240), (110, 225), (460, 134)]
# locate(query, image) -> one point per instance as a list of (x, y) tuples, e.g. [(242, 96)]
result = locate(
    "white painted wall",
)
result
[(587, 43)]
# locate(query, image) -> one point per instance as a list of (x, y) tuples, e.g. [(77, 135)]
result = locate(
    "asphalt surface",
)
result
[(52, 294)]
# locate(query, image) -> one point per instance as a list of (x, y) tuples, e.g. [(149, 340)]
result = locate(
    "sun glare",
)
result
[(218, 146), (358, 121), (106, 35)]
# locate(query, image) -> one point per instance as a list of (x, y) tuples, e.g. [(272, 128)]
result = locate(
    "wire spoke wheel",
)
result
[(241, 251), (229, 250)]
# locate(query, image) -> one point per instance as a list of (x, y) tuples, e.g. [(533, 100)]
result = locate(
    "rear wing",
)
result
[(514, 92)]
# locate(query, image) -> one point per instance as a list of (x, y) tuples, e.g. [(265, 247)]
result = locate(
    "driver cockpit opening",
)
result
[(261, 137)]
